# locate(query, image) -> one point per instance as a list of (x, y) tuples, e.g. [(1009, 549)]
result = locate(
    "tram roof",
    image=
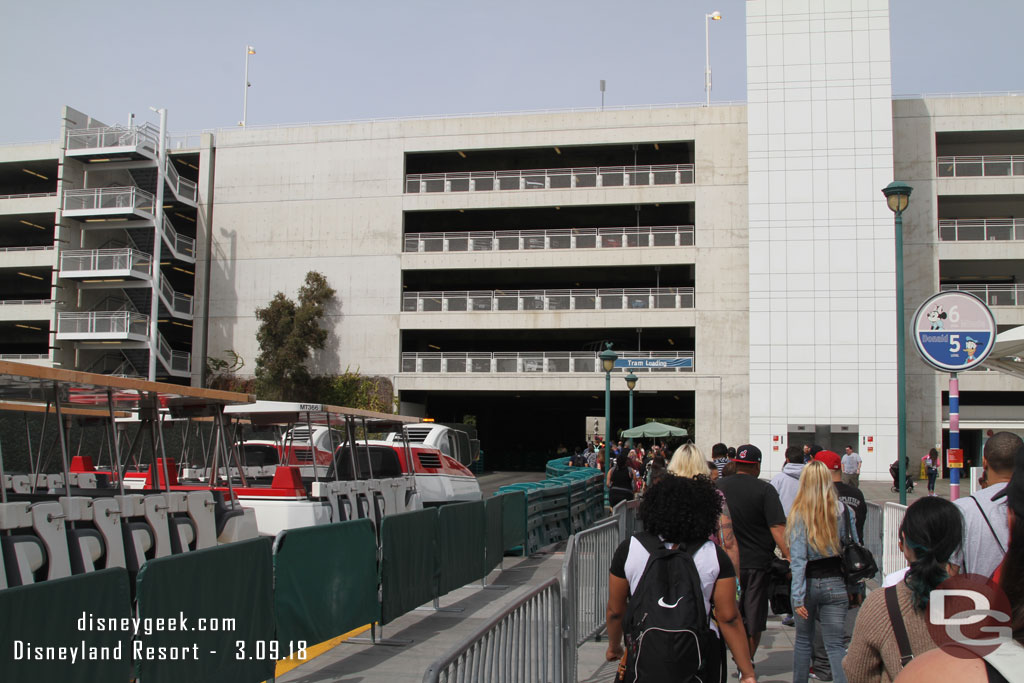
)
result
[(35, 384), (268, 413)]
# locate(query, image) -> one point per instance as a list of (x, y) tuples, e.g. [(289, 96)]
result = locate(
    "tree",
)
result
[(287, 335)]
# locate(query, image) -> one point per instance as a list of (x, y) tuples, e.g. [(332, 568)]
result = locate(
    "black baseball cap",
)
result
[(747, 453)]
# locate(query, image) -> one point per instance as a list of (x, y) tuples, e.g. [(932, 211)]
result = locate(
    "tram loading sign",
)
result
[(954, 331)]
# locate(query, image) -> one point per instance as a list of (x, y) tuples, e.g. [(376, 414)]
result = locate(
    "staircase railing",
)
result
[(176, 301), (175, 361), (97, 260), (143, 137), (183, 187), (182, 245), (109, 198), (103, 322)]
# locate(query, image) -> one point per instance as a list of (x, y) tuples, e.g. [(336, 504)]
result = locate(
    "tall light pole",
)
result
[(714, 16), (608, 358), (249, 50), (631, 383), (897, 197), (158, 229)]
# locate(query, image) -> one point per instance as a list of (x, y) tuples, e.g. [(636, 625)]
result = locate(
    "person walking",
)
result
[(620, 480), (931, 469), (851, 467), (682, 512), (986, 531), (787, 482), (816, 523), (930, 533), (759, 524)]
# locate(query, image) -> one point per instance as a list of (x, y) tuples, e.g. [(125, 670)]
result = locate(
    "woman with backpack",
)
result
[(672, 619), (817, 521), (931, 531), (621, 480)]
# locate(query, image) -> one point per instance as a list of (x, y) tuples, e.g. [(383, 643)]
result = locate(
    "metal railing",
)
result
[(556, 238), (176, 301), (24, 356), (127, 198), (993, 295), (28, 195), (550, 178), (25, 302), (627, 513), (873, 539), (44, 247), (892, 558), (548, 300), (183, 188), (176, 361), (981, 229), (103, 322), (181, 244), (522, 644), (143, 137), (987, 165), (588, 555), (533, 361), (93, 260)]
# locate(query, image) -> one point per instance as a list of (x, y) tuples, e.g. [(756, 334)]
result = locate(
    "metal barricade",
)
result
[(627, 514), (892, 558), (873, 530), (521, 644), (588, 556)]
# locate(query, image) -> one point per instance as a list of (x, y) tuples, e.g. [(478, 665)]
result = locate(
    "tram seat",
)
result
[(138, 537), (156, 509), (52, 482), (233, 524), (88, 480), (86, 544), (182, 529), (17, 483), (37, 547), (200, 507)]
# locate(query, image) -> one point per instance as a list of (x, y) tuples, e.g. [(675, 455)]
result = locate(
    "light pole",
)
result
[(249, 50), (631, 383), (608, 358), (714, 16), (897, 197), (158, 229)]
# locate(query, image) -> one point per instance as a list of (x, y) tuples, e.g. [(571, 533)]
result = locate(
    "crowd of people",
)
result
[(744, 540)]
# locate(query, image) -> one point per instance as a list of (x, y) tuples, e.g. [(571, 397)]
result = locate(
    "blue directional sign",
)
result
[(654, 363), (954, 331)]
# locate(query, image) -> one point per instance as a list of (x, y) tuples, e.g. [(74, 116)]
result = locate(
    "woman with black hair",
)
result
[(931, 468), (620, 480), (681, 512), (931, 531)]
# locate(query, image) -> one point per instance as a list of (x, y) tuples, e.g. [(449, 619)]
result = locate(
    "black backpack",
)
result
[(668, 637)]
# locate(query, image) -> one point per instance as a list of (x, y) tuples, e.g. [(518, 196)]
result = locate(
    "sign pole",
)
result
[(955, 455)]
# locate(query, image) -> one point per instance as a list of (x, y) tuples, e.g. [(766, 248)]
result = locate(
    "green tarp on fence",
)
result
[(514, 518), (50, 614), (460, 545), (325, 581), (494, 543), (199, 591), (408, 566)]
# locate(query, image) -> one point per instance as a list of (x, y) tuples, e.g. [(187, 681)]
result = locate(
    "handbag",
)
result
[(779, 587), (858, 562)]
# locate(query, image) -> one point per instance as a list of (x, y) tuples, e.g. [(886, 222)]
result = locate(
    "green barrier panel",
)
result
[(494, 547), (196, 594), (460, 545), (408, 565), (50, 615), (325, 581), (513, 519)]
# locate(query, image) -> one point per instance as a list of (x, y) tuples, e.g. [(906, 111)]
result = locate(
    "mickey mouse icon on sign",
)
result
[(937, 317)]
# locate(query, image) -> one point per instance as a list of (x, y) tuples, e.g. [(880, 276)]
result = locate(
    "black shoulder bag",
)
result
[(858, 562)]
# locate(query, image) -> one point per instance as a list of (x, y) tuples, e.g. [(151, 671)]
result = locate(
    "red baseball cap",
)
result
[(831, 459)]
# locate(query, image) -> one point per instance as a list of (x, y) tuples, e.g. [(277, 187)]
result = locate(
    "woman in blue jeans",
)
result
[(816, 523)]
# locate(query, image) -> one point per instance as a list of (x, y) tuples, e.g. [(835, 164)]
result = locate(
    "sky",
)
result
[(340, 60)]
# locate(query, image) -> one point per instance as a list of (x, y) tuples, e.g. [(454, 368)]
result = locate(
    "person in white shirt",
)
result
[(851, 468)]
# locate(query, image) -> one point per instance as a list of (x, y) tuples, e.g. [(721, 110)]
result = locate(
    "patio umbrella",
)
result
[(653, 430)]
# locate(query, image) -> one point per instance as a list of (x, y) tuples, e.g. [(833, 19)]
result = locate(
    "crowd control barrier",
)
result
[(461, 545), (48, 614), (233, 581), (494, 544), (513, 520), (522, 644), (627, 512), (408, 564), (873, 531), (585, 587), (325, 581), (892, 558)]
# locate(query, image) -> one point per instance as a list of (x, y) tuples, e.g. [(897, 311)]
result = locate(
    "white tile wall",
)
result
[(822, 279)]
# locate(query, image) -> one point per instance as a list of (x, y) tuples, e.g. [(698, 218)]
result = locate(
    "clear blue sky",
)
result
[(348, 59)]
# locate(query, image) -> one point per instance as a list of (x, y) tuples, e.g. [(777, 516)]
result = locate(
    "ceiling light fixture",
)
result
[(37, 175), (32, 225), (34, 277)]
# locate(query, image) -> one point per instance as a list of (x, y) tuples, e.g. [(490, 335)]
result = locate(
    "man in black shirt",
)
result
[(759, 524)]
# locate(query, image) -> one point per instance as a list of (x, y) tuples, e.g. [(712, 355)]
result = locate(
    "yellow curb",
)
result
[(286, 665)]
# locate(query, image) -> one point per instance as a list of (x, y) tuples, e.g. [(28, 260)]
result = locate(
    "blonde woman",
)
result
[(817, 522), (689, 462)]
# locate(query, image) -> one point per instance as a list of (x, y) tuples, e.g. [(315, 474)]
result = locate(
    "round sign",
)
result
[(954, 331)]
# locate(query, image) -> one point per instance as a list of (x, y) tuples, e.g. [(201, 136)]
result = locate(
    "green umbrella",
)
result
[(653, 430)]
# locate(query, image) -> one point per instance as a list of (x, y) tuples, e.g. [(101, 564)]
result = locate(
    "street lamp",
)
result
[(631, 383), (249, 50), (608, 358), (897, 197), (714, 16)]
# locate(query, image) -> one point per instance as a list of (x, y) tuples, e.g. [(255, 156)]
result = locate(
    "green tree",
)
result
[(289, 331), (353, 390)]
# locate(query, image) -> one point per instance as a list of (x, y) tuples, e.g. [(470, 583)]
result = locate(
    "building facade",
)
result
[(740, 257)]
